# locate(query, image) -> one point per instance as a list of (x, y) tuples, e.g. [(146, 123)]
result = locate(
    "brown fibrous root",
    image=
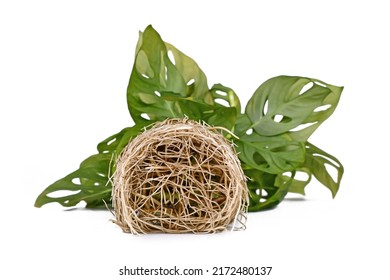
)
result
[(179, 176)]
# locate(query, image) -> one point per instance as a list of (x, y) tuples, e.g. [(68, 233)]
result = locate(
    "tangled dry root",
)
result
[(179, 176)]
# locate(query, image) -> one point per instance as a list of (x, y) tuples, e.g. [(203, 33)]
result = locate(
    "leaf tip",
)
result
[(37, 205)]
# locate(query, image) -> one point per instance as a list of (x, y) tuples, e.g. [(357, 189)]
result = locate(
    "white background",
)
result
[(64, 69)]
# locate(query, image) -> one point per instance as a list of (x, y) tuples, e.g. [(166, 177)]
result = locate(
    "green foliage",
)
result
[(272, 133)]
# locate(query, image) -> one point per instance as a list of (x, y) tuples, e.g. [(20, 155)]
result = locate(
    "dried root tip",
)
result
[(179, 176)]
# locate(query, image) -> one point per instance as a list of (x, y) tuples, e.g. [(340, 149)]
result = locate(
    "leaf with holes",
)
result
[(266, 190), (89, 183), (226, 96), (293, 105), (160, 68), (299, 184), (272, 154), (215, 115), (164, 82), (322, 165)]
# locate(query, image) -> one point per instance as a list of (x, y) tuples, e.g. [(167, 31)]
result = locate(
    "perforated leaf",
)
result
[(266, 190), (293, 105), (298, 185), (161, 70), (89, 183), (322, 165), (165, 83), (220, 92), (275, 154), (272, 154)]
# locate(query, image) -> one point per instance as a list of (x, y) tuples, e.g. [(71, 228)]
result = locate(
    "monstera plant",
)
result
[(271, 134)]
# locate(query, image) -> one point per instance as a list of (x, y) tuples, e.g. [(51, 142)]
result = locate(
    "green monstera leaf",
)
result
[(279, 118), (165, 83), (91, 182), (326, 168), (293, 105), (266, 190), (275, 154)]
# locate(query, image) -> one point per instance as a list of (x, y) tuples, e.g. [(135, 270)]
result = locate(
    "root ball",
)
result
[(179, 176)]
